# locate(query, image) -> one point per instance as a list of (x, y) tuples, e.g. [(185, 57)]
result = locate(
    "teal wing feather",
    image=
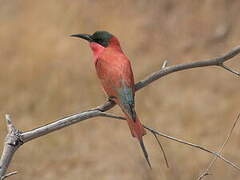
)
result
[(126, 101)]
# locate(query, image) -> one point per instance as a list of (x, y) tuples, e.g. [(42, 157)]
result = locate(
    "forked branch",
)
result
[(206, 172), (194, 145), (16, 138)]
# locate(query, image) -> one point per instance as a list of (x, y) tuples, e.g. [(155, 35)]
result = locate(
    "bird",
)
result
[(114, 70)]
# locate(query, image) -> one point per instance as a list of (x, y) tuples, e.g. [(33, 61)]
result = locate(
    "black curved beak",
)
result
[(83, 36)]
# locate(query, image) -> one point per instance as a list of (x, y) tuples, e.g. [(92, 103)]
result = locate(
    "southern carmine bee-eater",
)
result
[(115, 73)]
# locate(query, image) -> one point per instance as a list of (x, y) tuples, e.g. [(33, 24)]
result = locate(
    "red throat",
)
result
[(97, 49)]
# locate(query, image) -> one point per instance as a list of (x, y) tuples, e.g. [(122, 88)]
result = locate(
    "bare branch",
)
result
[(15, 138), (194, 145), (218, 61), (230, 70), (165, 63), (10, 126), (9, 174), (112, 116), (12, 142), (205, 173), (155, 132), (161, 147)]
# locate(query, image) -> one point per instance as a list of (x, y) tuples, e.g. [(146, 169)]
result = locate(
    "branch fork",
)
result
[(15, 138)]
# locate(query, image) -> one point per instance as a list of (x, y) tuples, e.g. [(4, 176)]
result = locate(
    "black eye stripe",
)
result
[(103, 42), (101, 37)]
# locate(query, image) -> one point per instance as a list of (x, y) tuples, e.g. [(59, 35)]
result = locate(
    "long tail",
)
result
[(138, 131), (144, 152)]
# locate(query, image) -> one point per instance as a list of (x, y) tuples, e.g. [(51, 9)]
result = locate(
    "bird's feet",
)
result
[(111, 99), (99, 108), (102, 108)]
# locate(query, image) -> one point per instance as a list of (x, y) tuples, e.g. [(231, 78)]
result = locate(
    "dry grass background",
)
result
[(45, 75)]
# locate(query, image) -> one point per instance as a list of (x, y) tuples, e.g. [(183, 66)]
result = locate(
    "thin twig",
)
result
[(164, 64), (194, 145), (10, 125), (230, 70), (154, 132), (111, 116), (205, 173), (161, 147), (9, 174)]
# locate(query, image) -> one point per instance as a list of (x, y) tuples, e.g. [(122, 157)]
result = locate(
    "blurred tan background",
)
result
[(46, 75)]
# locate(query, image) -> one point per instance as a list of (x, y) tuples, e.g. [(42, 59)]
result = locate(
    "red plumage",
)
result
[(115, 73), (114, 70)]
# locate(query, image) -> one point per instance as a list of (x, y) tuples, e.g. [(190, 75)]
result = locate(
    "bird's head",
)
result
[(99, 40), (102, 38)]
